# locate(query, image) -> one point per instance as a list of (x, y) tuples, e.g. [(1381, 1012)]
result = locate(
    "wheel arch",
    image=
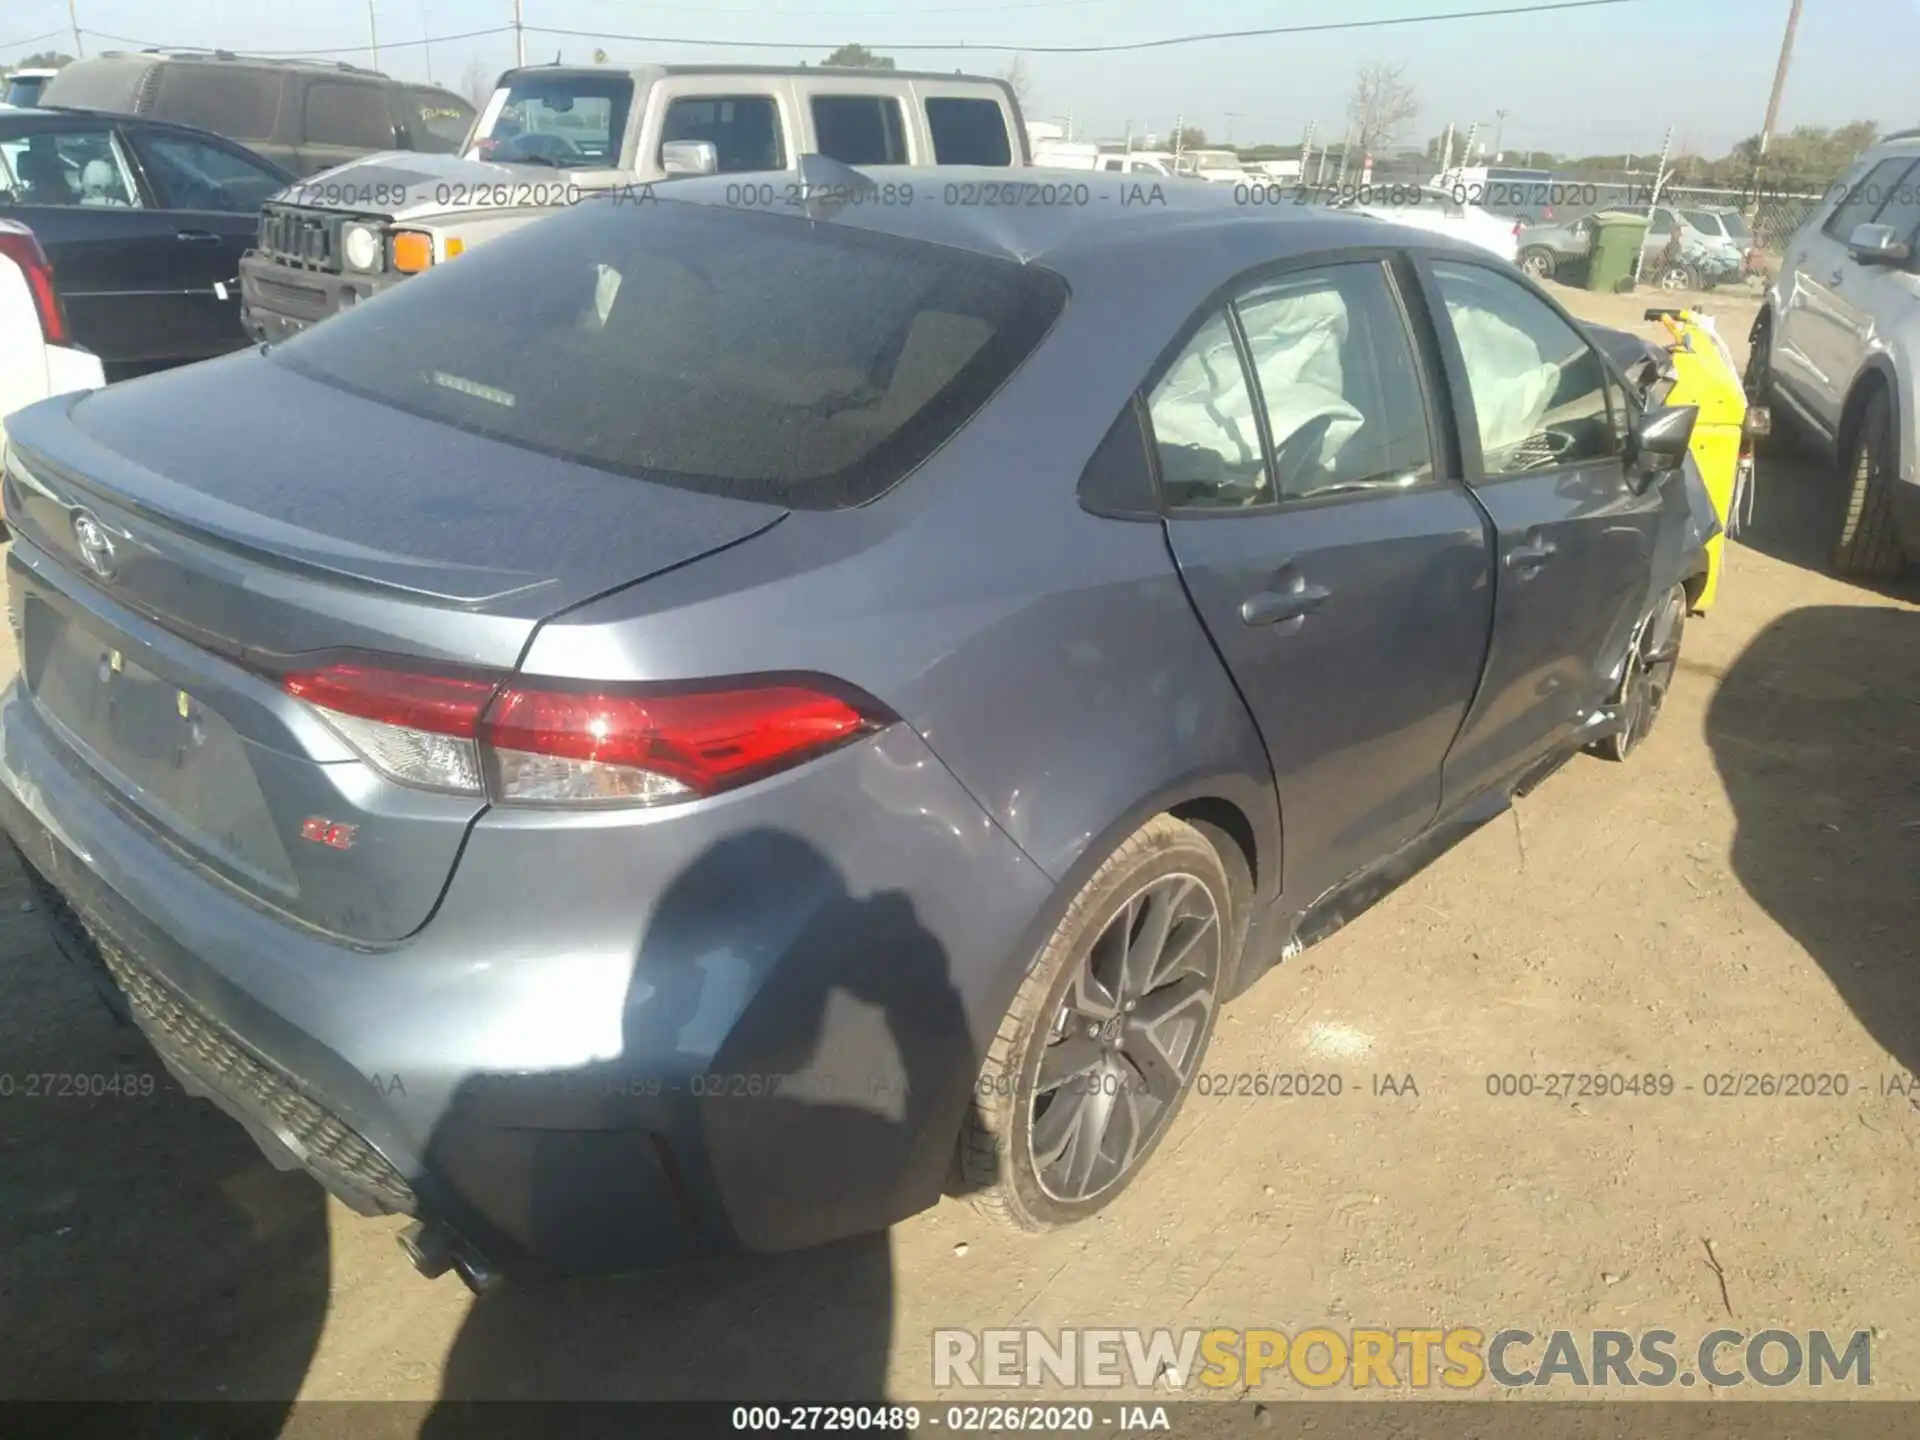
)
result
[(1878, 375)]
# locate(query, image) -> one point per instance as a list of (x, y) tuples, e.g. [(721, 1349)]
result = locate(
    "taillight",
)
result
[(531, 745), (24, 250)]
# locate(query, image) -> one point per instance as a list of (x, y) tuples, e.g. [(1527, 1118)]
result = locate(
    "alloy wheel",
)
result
[(1126, 1038), (1650, 668)]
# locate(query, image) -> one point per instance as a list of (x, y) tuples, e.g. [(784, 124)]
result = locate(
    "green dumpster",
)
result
[(1617, 238)]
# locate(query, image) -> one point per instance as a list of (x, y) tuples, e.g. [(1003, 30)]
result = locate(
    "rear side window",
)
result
[(860, 129), (239, 103), (438, 121), (1868, 194), (971, 132), (342, 113), (743, 129), (757, 356)]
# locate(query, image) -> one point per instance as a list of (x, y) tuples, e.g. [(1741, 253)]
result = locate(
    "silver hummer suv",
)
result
[(552, 135)]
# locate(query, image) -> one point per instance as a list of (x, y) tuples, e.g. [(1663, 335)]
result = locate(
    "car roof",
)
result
[(119, 59), (649, 73), (1066, 219)]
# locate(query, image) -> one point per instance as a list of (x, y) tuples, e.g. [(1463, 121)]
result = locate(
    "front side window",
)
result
[(67, 167), (744, 130), (195, 175), (559, 120), (1865, 197), (1204, 432), (1538, 389), (860, 129), (968, 132), (1338, 382), (740, 353)]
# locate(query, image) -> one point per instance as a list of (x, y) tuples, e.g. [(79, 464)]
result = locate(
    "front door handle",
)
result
[(197, 237), (1531, 556), (1270, 607)]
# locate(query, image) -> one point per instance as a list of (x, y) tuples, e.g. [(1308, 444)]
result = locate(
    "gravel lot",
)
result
[(1739, 898)]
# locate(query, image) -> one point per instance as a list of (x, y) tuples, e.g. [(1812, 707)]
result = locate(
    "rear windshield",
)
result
[(761, 357), (560, 120)]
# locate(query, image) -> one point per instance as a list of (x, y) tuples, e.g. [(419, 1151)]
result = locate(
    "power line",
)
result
[(1161, 44), (765, 13), (335, 50), (711, 42), (31, 40)]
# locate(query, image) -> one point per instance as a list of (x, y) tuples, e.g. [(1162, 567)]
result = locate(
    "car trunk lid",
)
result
[(194, 534)]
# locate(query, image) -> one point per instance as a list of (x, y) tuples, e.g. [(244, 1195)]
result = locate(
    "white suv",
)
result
[(1836, 347)]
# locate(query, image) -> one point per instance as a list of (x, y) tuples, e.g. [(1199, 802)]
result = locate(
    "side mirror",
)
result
[(1658, 441), (1878, 245), (689, 157)]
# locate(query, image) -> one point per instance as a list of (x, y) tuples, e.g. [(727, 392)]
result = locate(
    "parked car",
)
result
[(1716, 246), (1439, 211), (1133, 163), (145, 223), (553, 134), (1836, 347), (737, 717), (37, 355), (303, 115), (24, 87)]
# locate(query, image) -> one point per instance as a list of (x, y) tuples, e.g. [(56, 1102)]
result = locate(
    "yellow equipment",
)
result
[(1700, 371)]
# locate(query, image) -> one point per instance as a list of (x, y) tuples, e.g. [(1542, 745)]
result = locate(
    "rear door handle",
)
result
[(197, 237), (1270, 607), (1531, 556)]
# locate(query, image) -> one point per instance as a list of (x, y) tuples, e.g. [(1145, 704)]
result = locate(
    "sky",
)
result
[(1600, 80)]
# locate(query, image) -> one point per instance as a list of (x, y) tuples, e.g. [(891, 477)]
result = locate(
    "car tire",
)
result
[(1652, 658), (1868, 546), (1537, 261), (1027, 1157), (1678, 277)]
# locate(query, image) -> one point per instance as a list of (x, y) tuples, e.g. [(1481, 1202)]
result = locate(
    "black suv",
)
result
[(304, 115)]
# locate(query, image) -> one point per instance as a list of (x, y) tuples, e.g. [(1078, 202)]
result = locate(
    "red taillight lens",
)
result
[(549, 747), (24, 250), (554, 746), (437, 703)]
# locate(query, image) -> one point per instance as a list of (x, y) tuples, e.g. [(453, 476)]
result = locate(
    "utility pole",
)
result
[(519, 37), (74, 20), (373, 33), (1499, 129), (1345, 146), (1306, 149), (1773, 105), (1179, 140), (1446, 152)]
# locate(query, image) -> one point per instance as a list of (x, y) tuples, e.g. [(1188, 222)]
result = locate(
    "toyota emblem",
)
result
[(96, 545)]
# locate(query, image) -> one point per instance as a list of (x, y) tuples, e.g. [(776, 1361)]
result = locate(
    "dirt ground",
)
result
[(1738, 898)]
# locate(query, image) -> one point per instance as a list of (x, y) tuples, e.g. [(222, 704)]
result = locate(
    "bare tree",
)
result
[(1019, 81), (476, 82), (1383, 102)]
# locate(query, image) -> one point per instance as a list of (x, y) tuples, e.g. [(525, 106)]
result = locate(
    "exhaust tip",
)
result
[(428, 1248)]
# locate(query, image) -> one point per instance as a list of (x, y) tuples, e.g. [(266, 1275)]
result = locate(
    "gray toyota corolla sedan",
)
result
[(706, 722)]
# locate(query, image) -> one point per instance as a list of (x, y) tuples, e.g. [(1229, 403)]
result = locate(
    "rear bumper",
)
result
[(278, 301), (752, 1026)]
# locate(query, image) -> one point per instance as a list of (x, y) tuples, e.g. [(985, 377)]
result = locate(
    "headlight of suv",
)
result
[(360, 246)]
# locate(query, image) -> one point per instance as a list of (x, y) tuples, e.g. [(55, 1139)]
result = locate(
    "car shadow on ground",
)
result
[(147, 1250), (808, 1324), (1816, 733)]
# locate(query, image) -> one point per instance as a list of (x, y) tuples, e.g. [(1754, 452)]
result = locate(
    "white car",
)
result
[(37, 357), (1438, 211)]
